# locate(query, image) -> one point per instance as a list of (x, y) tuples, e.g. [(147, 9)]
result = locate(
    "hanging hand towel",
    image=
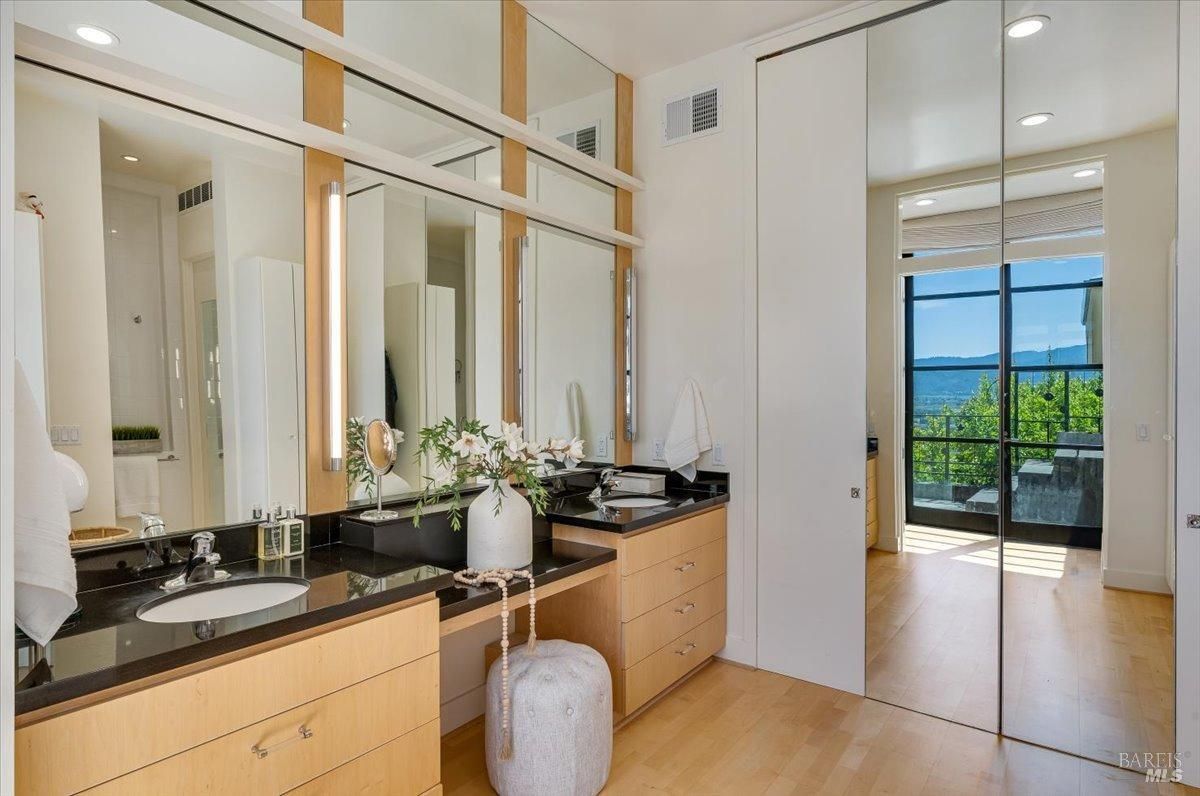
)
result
[(43, 570), (135, 481), (688, 436), (570, 412)]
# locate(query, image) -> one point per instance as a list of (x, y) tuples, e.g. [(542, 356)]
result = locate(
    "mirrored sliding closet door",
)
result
[(1089, 227), (933, 256), (1021, 227)]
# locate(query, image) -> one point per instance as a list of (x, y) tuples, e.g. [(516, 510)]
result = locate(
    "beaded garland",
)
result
[(501, 578)]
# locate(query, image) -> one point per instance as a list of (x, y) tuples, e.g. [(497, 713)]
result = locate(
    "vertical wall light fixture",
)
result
[(335, 333), (522, 244)]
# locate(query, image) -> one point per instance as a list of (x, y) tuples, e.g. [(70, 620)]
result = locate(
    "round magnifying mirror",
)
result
[(379, 451)]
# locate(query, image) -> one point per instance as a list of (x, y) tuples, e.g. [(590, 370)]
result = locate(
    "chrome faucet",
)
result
[(607, 482), (201, 564), (159, 552)]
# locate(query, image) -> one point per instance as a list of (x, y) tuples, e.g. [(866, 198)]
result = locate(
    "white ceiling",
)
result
[(641, 37), (1104, 69)]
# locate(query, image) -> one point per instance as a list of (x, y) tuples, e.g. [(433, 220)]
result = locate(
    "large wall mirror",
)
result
[(1021, 563), (162, 300), (570, 95), (567, 341), (423, 310)]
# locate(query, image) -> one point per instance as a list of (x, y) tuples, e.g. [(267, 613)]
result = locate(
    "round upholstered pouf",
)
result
[(561, 718)]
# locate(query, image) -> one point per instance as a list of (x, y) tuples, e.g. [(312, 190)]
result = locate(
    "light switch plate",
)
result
[(660, 450), (1143, 432), (65, 435), (718, 454)]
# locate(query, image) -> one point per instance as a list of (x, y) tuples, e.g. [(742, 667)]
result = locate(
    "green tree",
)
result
[(1040, 408)]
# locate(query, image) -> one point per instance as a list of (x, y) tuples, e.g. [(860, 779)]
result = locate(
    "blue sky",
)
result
[(969, 327)]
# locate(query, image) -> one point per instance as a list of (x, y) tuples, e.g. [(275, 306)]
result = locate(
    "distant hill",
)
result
[(935, 389)]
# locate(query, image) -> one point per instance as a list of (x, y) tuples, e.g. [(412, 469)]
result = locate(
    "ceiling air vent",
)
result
[(196, 195), (692, 115), (584, 140)]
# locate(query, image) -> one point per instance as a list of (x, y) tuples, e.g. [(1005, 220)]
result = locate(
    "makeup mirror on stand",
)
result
[(379, 452)]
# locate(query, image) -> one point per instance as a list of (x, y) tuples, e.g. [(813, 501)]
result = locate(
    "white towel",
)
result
[(688, 436), (570, 412), (43, 570), (135, 482)]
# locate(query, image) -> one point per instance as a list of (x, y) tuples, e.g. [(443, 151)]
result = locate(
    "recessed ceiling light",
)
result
[(130, 158), (94, 35), (1034, 119), (1085, 173), (1027, 26), (345, 123), (925, 202)]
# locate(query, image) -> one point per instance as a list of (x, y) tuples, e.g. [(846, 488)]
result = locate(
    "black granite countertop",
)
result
[(108, 645), (682, 499)]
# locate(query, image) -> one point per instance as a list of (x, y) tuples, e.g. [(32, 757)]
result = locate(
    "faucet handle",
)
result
[(203, 543)]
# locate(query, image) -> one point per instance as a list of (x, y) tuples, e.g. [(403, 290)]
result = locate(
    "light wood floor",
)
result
[(729, 730), (1086, 669)]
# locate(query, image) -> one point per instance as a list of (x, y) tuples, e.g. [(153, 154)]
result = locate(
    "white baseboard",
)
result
[(463, 708), (1155, 582), (889, 544), (738, 650)]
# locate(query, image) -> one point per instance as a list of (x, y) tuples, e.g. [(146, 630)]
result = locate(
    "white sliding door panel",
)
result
[(812, 362)]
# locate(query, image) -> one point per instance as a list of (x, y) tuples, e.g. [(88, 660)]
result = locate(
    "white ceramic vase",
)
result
[(503, 539)]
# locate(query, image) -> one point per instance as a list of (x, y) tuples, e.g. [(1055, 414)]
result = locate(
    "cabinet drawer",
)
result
[(650, 588), (407, 766), (75, 751), (653, 675), (652, 547), (299, 744), (662, 625)]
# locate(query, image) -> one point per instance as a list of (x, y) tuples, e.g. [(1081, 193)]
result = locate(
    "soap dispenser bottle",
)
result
[(293, 533), (270, 537)]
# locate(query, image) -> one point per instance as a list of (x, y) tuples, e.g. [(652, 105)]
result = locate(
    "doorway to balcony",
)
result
[(1036, 325)]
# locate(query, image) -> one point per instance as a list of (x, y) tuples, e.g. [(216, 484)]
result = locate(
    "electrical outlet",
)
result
[(718, 454), (602, 447), (1143, 432), (660, 450)]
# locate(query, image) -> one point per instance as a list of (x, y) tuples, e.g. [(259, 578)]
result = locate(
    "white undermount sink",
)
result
[(218, 600), (636, 502)]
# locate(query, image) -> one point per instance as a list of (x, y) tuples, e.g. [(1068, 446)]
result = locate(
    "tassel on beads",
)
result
[(500, 578)]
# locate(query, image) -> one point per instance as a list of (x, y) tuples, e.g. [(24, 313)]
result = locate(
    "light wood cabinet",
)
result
[(671, 602), (311, 704), (872, 501)]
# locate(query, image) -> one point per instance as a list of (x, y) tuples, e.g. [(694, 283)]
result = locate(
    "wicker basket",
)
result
[(82, 537)]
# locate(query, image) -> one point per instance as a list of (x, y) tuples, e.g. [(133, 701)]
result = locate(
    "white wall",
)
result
[(6, 396), (58, 146), (691, 277)]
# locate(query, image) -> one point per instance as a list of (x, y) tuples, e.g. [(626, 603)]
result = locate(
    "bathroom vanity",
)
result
[(338, 690)]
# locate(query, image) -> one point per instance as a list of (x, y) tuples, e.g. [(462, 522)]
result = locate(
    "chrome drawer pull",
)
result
[(262, 751), (686, 649), (685, 608), (686, 567)]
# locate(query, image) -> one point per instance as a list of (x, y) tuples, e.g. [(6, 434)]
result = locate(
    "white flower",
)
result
[(512, 430), (558, 448), (399, 435), (468, 445), (575, 450), (535, 449), (442, 473)]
